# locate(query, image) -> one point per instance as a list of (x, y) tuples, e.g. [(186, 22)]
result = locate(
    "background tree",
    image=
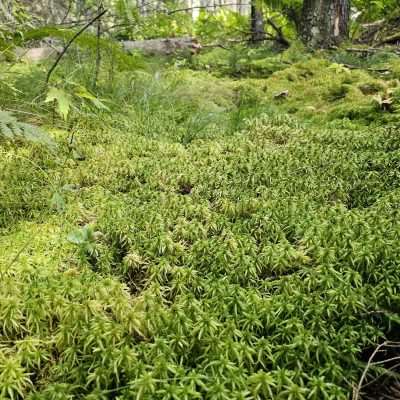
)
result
[(325, 22), (256, 22)]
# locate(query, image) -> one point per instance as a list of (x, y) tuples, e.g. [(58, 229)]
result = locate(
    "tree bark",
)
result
[(325, 23), (256, 23)]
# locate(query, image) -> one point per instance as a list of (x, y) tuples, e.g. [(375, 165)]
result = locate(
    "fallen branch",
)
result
[(390, 39), (356, 50), (67, 46), (162, 46), (214, 45), (238, 41), (372, 50), (280, 36), (378, 70), (357, 389)]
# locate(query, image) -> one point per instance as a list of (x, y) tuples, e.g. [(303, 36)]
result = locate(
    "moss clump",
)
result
[(369, 88), (337, 92)]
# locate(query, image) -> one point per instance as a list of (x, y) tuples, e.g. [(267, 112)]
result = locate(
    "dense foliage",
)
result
[(128, 19), (375, 9)]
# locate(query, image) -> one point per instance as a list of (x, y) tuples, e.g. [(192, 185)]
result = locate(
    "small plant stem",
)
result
[(98, 49), (68, 45)]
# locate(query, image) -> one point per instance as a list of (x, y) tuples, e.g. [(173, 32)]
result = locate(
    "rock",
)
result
[(370, 88), (281, 95), (36, 54)]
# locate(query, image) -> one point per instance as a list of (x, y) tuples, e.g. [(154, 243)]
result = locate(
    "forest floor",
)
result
[(226, 227)]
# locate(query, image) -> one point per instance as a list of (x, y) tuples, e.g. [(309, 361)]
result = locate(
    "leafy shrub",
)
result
[(220, 25), (240, 61), (215, 59), (376, 9)]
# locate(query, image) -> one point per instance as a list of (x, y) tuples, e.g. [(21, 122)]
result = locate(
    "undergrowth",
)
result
[(201, 237)]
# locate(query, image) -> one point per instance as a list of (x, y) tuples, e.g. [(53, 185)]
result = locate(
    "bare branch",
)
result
[(357, 390), (280, 36), (370, 363)]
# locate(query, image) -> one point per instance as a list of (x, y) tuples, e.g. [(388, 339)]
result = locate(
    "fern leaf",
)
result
[(12, 129), (5, 130)]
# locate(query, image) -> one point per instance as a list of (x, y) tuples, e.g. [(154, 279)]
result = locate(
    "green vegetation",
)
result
[(217, 224), (197, 236)]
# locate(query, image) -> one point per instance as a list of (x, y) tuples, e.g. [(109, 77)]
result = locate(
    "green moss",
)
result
[(369, 88), (206, 242), (337, 92), (396, 69)]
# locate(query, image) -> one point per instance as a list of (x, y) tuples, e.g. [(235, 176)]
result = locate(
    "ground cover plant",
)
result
[(221, 225)]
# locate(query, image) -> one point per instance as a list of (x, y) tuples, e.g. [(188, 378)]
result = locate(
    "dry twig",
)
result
[(358, 388)]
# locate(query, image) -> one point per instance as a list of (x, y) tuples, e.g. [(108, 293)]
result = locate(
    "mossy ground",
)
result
[(202, 239)]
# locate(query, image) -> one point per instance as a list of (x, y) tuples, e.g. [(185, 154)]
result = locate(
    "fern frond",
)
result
[(12, 129)]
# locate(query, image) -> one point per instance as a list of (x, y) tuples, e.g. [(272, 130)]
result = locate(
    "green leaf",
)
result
[(83, 93), (77, 237), (76, 155), (57, 202), (81, 236), (62, 99), (12, 129), (98, 104)]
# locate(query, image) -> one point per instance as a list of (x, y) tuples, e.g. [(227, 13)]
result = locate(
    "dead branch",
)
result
[(370, 363), (373, 50), (390, 39), (162, 46), (238, 41), (363, 51), (280, 36), (214, 45), (377, 70), (357, 390), (369, 383)]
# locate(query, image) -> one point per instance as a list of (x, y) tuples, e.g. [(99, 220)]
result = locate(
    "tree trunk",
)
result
[(325, 23), (256, 23)]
